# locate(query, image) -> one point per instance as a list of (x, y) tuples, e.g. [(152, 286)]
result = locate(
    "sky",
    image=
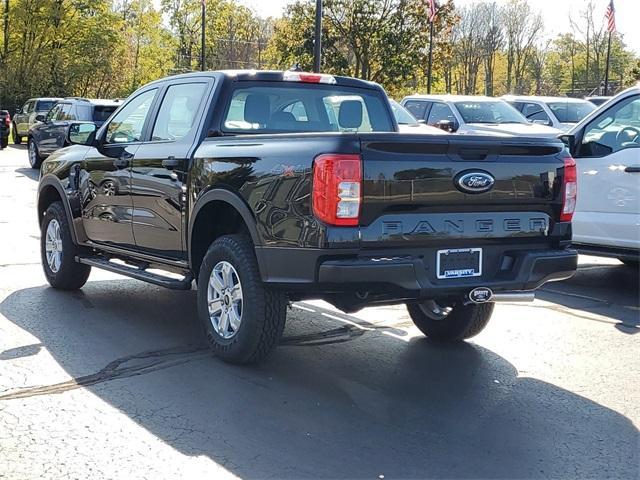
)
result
[(554, 12)]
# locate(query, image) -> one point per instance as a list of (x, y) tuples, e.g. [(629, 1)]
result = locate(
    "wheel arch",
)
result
[(222, 205), (51, 190)]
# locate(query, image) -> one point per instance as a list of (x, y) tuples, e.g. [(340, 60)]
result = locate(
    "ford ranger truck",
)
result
[(273, 187)]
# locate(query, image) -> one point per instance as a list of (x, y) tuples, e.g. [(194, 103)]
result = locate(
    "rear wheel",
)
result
[(4, 142), (17, 139), (35, 160), (450, 323), (58, 251), (241, 317)]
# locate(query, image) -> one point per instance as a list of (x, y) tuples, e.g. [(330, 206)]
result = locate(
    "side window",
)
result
[(533, 112), (298, 111), (65, 112), (517, 105), (28, 107), (177, 113), (127, 125), (417, 108), (618, 128), (440, 111), (54, 112)]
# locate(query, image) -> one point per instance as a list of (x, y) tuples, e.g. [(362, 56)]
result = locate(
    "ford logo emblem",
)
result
[(474, 181)]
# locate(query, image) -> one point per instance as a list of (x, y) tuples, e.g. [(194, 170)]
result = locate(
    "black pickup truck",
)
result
[(272, 187)]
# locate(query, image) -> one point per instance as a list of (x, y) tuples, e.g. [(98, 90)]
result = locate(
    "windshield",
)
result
[(572, 112), (489, 112), (290, 107), (44, 105), (403, 117)]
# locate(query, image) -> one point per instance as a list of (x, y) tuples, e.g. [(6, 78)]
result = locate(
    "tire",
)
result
[(65, 273), (4, 142), (460, 323), (35, 160), (631, 263), (17, 139), (259, 314)]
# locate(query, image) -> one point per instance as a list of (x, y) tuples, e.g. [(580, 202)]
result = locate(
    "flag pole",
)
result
[(202, 37), (317, 45), (430, 57), (606, 71)]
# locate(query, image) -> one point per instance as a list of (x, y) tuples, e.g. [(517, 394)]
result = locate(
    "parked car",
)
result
[(476, 115), (597, 101), (558, 112), (50, 133), (249, 183), (407, 123), (606, 146), (5, 128), (25, 117)]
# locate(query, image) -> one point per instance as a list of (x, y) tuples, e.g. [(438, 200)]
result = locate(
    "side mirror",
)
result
[(446, 125), (570, 141), (540, 122), (422, 121), (41, 118), (81, 133)]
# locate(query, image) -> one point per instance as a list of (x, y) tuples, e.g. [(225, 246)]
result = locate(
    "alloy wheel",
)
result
[(224, 299), (53, 246)]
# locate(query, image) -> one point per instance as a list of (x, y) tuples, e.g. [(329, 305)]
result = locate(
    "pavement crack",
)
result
[(129, 366)]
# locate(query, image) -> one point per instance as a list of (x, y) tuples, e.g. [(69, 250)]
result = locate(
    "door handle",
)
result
[(633, 169), (170, 163), (121, 162)]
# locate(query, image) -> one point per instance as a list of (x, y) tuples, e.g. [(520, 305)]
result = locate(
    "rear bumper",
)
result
[(411, 274)]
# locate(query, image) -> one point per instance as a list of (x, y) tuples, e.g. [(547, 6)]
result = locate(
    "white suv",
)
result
[(558, 112), (606, 146), (474, 115)]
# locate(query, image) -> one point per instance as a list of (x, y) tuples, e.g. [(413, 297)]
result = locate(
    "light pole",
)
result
[(202, 35), (317, 45)]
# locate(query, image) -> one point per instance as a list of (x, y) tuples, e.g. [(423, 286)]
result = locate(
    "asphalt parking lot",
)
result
[(114, 382)]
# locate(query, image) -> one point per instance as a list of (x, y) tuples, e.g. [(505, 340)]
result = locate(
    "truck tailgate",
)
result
[(411, 187)]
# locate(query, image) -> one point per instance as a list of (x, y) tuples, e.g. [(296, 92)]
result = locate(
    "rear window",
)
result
[(44, 105), (95, 113), (572, 112), (306, 108), (101, 113)]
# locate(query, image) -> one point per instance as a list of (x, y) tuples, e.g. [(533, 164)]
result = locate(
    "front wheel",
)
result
[(241, 317), (450, 323), (35, 160), (58, 251)]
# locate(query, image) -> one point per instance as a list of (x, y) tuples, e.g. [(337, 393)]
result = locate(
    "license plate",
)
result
[(459, 263)]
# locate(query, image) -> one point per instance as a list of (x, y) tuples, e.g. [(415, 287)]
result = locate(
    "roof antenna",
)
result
[(296, 67)]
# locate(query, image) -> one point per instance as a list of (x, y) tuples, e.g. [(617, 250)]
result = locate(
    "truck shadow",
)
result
[(329, 403), (601, 289)]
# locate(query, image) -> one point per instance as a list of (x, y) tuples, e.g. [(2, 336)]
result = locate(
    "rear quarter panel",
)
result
[(272, 174)]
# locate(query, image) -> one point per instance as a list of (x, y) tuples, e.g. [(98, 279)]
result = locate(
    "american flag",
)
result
[(610, 16), (432, 9)]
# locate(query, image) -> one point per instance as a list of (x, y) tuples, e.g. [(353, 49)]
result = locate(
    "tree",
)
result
[(523, 28)]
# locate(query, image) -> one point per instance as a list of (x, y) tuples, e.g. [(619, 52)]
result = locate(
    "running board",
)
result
[(138, 273)]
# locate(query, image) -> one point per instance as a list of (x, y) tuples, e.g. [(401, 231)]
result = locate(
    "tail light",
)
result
[(569, 190), (7, 120), (337, 182)]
